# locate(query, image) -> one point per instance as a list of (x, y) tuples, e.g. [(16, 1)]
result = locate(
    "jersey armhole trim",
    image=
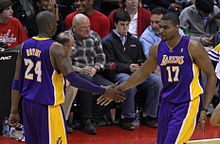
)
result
[(189, 50)]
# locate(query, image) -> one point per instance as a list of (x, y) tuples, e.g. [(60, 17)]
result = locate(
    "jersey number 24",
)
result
[(37, 69)]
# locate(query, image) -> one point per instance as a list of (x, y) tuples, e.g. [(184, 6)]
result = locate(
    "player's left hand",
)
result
[(202, 120), (13, 119), (111, 93), (102, 100)]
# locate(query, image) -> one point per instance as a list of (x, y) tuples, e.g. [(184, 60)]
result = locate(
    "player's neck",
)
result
[(43, 35), (173, 42)]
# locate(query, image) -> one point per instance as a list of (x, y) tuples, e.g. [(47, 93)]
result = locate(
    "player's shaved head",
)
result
[(78, 18), (44, 19)]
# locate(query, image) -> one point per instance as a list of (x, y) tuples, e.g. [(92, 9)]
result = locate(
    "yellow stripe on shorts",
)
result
[(189, 122), (57, 133)]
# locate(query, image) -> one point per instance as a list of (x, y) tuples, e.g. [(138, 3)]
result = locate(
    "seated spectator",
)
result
[(67, 40), (217, 20), (11, 30), (177, 6), (217, 2), (28, 6), (42, 5), (19, 11), (172, 5), (198, 21), (125, 53), (88, 60), (99, 22), (140, 17), (214, 55), (152, 33)]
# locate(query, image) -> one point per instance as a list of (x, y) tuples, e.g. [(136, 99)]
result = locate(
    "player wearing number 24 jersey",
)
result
[(47, 87), (39, 78)]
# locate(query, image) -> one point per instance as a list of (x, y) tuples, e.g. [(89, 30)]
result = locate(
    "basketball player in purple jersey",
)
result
[(40, 68), (180, 59)]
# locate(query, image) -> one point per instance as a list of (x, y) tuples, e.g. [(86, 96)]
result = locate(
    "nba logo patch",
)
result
[(59, 140), (181, 50)]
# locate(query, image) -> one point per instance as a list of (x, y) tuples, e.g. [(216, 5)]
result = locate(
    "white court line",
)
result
[(206, 141)]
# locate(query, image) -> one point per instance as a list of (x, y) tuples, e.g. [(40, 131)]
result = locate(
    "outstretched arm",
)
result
[(61, 63), (201, 59), (141, 74), (138, 76)]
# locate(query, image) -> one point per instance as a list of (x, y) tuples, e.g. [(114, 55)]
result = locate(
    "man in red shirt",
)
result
[(12, 32), (99, 22)]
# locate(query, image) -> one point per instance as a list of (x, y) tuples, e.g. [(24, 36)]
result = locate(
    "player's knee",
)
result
[(213, 121)]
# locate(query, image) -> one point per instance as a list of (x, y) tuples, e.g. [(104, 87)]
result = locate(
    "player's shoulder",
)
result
[(193, 42), (56, 44), (154, 49), (195, 48), (156, 44), (56, 47), (194, 45)]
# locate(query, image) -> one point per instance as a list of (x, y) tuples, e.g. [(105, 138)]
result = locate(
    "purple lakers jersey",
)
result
[(38, 80), (180, 76)]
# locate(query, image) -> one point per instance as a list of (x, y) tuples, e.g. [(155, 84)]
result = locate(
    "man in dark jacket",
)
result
[(124, 54)]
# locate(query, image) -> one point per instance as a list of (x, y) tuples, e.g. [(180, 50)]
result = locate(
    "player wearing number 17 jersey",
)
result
[(181, 102), (180, 60)]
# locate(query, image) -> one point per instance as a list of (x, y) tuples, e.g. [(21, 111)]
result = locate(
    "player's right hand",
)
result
[(14, 118), (202, 120)]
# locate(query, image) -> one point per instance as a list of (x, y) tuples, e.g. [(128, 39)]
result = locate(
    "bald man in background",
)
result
[(88, 60), (67, 40), (41, 67)]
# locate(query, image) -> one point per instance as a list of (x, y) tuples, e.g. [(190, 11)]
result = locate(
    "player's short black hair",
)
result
[(4, 4), (171, 17), (121, 15), (205, 6)]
